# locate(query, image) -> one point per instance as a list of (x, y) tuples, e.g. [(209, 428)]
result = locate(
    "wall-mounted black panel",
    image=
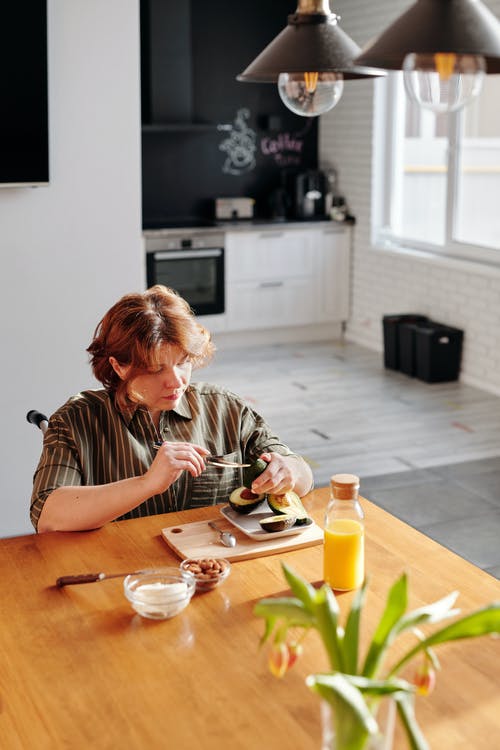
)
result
[(220, 137), (24, 143)]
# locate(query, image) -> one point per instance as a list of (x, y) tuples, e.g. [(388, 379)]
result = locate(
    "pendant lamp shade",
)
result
[(312, 41), (463, 27)]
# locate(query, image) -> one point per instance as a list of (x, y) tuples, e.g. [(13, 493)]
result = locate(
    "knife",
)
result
[(90, 578)]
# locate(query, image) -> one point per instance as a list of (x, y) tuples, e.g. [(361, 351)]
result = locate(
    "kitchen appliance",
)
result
[(234, 208), (279, 204), (192, 264), (310, 191)]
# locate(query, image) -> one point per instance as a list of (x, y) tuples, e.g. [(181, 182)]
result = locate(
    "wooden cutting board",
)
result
[(197, 539)]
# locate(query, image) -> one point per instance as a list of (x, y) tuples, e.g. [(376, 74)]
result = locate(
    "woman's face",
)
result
[(161, 387)]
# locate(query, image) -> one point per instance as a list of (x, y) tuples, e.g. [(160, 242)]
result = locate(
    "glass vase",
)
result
[(383, 740)]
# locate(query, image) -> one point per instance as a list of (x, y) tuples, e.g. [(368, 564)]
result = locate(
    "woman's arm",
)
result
[(79, 508)]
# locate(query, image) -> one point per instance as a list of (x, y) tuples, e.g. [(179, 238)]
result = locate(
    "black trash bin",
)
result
[(408, 347), (391, 325), (438, 352)]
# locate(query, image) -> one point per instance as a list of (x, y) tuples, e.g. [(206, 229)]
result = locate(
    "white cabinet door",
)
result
[(272, 254), (270, 304), (335, 275)]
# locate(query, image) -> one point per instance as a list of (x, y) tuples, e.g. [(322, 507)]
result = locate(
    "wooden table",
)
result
[(79, 669)]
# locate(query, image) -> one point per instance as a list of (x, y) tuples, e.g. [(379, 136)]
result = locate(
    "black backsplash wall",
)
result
[(205, 135)]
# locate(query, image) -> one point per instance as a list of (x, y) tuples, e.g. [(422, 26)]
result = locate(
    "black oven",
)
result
[(193, 265)]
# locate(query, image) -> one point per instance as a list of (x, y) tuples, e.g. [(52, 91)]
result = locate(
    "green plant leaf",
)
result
[(352, 718), (300, 588), (432, 656), (286, 608), (434, 612), (481, 622), (351, 635), (397, 601), (406, 713), (372, 687), (268, 629), (327, 611)]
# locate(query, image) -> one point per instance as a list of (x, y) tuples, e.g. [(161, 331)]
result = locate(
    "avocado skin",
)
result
[(277, 523), (252, 472), (303, 521)]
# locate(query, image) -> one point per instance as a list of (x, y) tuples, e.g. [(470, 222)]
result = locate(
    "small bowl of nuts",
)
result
[(208, 572)]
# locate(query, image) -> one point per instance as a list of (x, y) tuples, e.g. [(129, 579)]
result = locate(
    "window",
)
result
[(437, 177)]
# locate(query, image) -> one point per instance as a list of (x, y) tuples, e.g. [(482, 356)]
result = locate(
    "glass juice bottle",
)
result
[(344, 548)]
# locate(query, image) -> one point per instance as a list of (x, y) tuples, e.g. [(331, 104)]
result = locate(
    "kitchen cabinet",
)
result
[(286, 277), (334, 282)]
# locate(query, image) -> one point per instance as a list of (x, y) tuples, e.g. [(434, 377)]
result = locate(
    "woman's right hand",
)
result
[(170, 461)]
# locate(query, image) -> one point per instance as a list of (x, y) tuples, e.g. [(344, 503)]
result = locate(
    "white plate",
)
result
[(249, 523)]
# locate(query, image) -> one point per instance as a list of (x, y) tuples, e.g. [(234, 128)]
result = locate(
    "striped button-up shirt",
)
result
[(90, 442)]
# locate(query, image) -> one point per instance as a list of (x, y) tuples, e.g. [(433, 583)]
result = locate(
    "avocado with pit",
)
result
[(243, 500)]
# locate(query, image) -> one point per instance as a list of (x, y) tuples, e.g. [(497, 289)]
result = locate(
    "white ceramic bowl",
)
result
[(159, 593)]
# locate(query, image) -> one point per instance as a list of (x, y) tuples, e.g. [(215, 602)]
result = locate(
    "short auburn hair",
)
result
[(134, 330)]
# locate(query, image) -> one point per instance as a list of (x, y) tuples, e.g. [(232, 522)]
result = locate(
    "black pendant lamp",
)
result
[(444, 47), (309, 60)]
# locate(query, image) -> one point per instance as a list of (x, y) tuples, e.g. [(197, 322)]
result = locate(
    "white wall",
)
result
[(68, 251), (387, 283)]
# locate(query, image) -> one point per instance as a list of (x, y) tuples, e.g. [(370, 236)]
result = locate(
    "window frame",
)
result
[(388, 138)]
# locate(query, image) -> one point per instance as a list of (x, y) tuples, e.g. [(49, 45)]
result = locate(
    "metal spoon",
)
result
[(227, 539)]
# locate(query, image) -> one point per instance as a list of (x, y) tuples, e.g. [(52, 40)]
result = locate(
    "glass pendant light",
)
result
[(309, 60), (310, 94), (444, 47), (443, 82)]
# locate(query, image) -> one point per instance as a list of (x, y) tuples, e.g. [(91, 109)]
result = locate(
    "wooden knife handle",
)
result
[(85, 578)]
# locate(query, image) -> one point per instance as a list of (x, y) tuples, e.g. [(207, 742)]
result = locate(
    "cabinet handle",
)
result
[(269, 284), (187, 254), (271, 235)]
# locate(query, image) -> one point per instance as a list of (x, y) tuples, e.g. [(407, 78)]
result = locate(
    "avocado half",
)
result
[(277, 523), (243, 500), (289, 504)]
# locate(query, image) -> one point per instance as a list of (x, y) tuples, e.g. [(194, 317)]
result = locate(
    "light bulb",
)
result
[(444, 81), (310, 94)]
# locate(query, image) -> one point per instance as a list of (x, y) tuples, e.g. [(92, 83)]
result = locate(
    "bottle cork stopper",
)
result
[(344, 486)]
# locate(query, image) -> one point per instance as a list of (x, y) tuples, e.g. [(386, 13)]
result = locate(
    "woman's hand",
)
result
[(170, 461), (283, 473)]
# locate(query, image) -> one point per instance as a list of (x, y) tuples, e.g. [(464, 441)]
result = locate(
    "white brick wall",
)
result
[(390, 283)]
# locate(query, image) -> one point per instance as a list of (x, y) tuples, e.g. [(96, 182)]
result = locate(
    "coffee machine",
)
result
[(310, 195)]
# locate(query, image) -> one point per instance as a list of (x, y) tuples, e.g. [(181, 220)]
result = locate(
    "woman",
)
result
[(100, 459)]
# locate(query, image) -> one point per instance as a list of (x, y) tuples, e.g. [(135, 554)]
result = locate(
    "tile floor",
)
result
[(428, 453)]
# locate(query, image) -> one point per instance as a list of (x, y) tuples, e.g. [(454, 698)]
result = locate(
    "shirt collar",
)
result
[(183, 409)]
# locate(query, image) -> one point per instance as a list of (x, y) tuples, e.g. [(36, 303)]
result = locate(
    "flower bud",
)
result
[(279, 657), (294, 651), (424, 678)]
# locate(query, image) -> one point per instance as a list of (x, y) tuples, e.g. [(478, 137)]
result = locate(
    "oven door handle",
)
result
[(187, 254)]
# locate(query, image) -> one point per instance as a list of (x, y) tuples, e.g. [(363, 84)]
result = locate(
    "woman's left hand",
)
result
[(281, 475)]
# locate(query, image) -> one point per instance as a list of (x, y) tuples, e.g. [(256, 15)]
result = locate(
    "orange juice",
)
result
[(344, 554)]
